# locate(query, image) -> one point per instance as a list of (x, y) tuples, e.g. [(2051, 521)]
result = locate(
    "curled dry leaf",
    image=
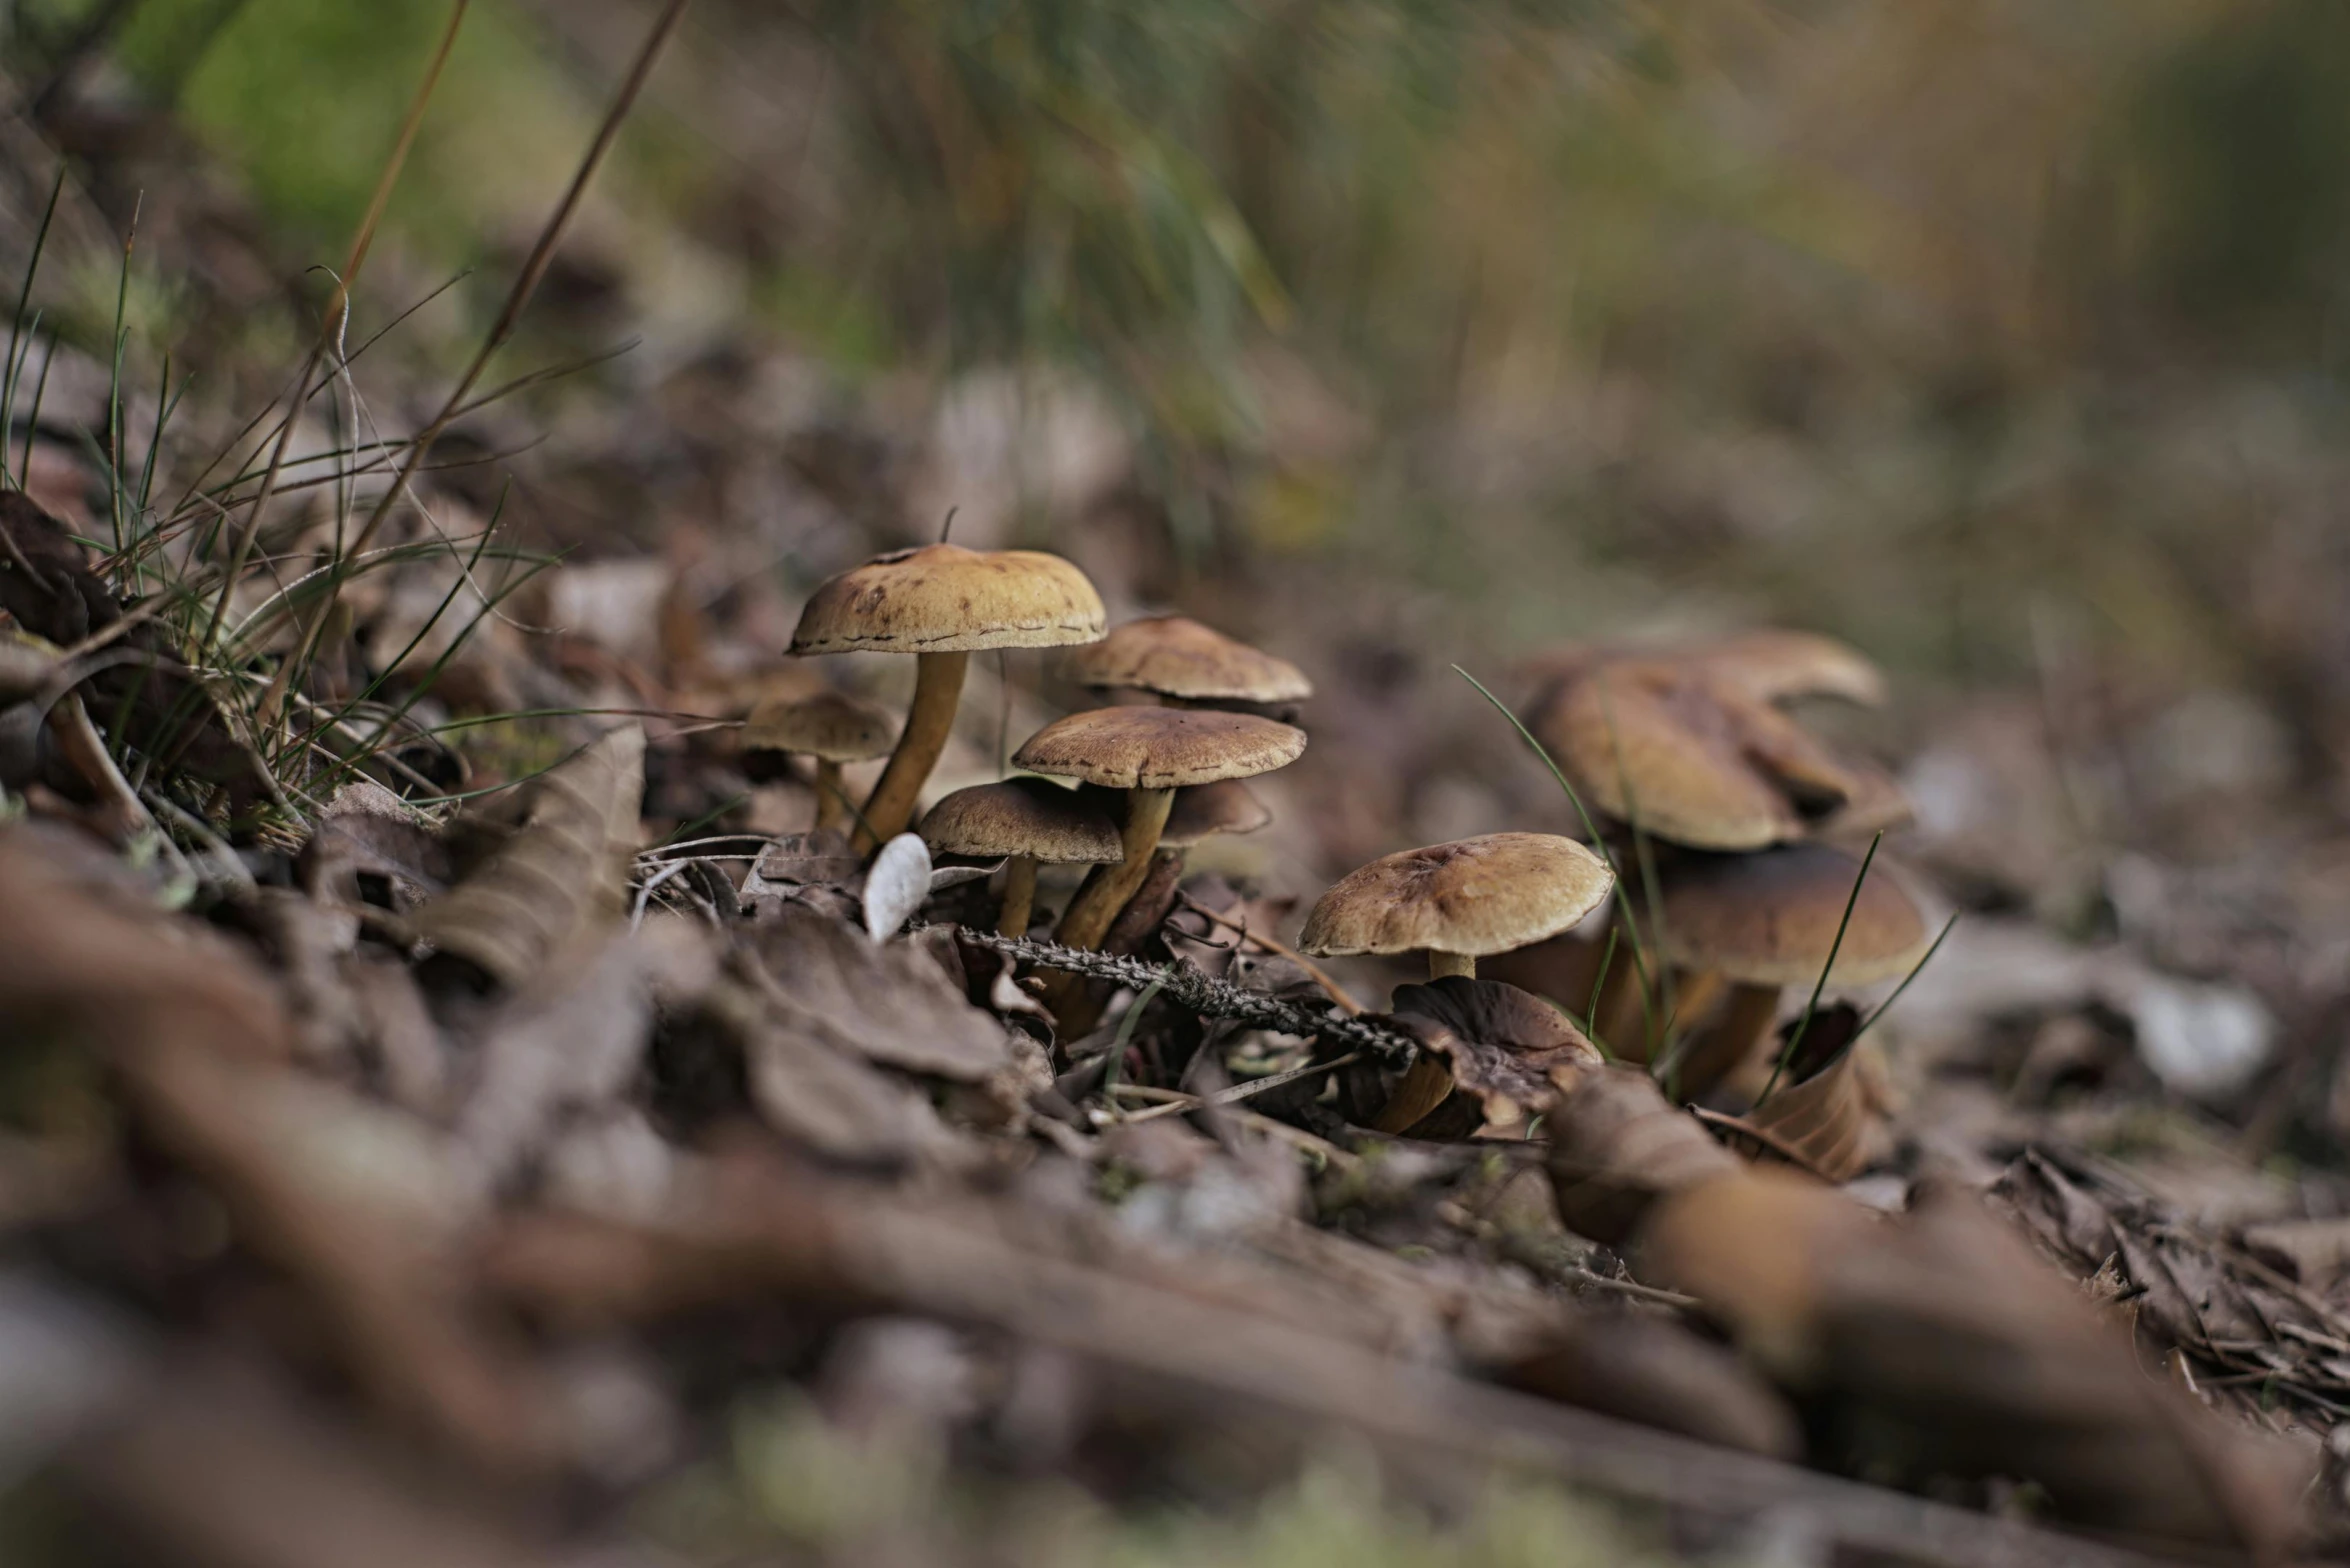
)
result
[(558, 873), (1617, 1147), (889, 1004), (1830, 1113), (1937, 1344), (896, 886), (1503, 1051), (370, 846), (812, 1091), (141, 690), (798, 860), (573, 1038)]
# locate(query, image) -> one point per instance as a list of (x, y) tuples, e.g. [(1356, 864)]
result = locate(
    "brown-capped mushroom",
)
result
[(1149, 753), (1760, 922), (1459, 902), (1176, 657), (1025, 822), (941, 603), (830, 726), (1690, 747)]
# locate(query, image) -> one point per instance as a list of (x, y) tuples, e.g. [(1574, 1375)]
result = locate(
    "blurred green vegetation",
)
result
[(1882, 318)]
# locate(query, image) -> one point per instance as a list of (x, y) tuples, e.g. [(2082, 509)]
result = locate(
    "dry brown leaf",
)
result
[(1826, 1114), (890, 1004), (574, 1037), (798, 860), (1503, 1052), (559, 873), (1936, 1344), (1617, 1146), (823, 1098), (142, 695), (370, 846)]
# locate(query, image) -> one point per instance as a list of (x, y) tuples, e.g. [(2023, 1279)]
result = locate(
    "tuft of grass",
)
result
[(1812, 1006)]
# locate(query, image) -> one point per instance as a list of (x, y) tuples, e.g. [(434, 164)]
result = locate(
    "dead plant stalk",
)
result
[(526, 283)]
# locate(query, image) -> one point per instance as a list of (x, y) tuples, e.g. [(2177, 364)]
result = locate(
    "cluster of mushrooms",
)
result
[(1741, 823)]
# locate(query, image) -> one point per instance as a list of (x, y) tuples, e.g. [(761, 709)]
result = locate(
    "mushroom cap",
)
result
[(1473, 897), (1160, 748), (1692, 760), (1176, 656), (942, 598), (1770, 918), (1047, 822), (1202, 811), (1776, 666), (830, 725)]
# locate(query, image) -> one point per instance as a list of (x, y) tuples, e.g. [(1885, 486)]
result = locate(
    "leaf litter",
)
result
[(519, 1137)]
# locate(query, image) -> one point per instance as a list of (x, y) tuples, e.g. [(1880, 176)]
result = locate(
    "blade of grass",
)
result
[(1812, 1007), (1125, 1036), (17, 330), (32, 420), (122, 297), (1598, 840), (1607, 961), (1644, 857), (1925, 958)]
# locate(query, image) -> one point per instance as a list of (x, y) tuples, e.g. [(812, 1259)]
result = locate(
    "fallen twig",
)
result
[(1240, 928), (1188, 985)]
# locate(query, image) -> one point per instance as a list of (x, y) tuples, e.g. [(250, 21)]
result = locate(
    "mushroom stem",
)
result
[(1745, 1020), (832, 805), (1109, 887), (1429, 1082), (1019, 903), (1694, 995), (938, 687)]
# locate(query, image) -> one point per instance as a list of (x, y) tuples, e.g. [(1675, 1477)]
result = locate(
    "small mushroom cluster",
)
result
[(1739, 817), (1745, 826), (1149, 778)]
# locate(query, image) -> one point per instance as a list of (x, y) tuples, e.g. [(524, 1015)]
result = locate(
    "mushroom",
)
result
[(1760, 922), (1459, 901), (1777, 666), (941, 602), (1025, 822), (1175, 657), (1149, 753), (1691, 746), (830, 726)]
